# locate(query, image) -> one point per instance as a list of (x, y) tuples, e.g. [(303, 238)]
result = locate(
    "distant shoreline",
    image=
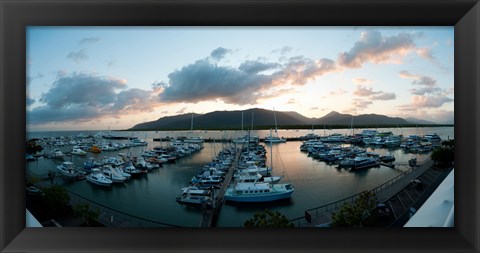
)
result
[(293, 127), (280, 127)]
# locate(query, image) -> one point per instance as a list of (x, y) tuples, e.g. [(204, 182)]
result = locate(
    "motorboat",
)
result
[(67, 169), (56, 153), (258, 192), (121, 172), (98, 178), (264, 171), (130, 169), (78, 151), (113, 175), (387, 158), (361, 162), (194, 196), (95, 149)]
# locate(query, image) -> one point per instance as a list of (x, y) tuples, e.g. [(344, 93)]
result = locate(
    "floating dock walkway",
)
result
[(211, 211)]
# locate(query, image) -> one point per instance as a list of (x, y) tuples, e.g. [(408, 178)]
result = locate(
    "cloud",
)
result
[(359, 105), (133, 99), (89, 40), (31, 78), (282, 51), (254, 67), (430, 101), (219, 53), (75, 113), (85, 97), (361, 81), (422, 102), (203, 80), (384, 96), (406, 74), (79, 56), (375, 48), (82, 88), (418, 79), (425, 53), (338, 92), (291, 101), (299, 70), (181, 111), (426, 90), (314, 108), (425, 80), (435, 115), (363, 91), (29, 101)]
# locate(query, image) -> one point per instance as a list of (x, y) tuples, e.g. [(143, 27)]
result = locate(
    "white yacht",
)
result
[(56, 153), (98, 178), (78, 151), (123, 173), (67, 169), (258, 192), (113, 175), (130, 169), (194, 196)]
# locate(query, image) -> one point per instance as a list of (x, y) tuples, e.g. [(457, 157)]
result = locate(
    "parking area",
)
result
[(402, 205)]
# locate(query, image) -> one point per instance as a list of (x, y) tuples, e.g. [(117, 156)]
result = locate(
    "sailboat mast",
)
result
[(271, 156), (252, 119), (242, 121), (191, 124), (351, 125), (275, 117)]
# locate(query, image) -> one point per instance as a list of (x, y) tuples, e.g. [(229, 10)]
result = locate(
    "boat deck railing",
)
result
[(325, 209)]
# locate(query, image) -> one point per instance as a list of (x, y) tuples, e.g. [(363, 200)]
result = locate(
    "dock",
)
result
[(211, 211)]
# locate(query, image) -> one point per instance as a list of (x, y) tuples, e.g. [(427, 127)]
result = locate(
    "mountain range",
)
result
[(263, 119)]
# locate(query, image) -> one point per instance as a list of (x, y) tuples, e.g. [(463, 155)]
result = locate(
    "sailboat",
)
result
[(274, 138), (247, 138), (193, 139)]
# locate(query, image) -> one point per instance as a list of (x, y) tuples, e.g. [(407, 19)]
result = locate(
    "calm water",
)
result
[(153, 196)]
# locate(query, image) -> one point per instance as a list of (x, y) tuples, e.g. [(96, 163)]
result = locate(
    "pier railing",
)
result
[(304, 220)]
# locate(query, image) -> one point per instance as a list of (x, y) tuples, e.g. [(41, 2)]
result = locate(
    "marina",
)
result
[(152, 196)]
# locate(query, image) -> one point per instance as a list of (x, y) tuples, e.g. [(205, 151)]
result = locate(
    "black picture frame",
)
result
[(17, 14)]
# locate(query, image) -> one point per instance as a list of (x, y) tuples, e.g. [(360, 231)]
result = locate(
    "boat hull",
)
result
[(259, 198), (98, 182)]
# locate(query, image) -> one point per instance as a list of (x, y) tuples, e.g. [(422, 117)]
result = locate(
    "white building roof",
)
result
[(438, 210)]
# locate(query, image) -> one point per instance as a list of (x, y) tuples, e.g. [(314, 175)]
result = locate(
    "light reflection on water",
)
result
[(153, 196)]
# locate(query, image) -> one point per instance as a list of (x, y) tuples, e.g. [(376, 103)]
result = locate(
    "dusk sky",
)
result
[(95, 78)]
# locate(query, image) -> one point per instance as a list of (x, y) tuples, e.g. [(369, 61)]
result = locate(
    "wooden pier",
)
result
[(211, 210)]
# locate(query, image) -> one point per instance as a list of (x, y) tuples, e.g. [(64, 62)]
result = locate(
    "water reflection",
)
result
[(153, 196)]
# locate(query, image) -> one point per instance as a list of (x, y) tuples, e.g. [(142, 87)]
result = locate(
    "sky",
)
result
[(98, 78)]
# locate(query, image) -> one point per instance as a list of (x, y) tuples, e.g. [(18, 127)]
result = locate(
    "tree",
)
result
[(449, 144), (83, 211), (57, 198), (268, 218), (359, 214), (32, 147), (444, 156)]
